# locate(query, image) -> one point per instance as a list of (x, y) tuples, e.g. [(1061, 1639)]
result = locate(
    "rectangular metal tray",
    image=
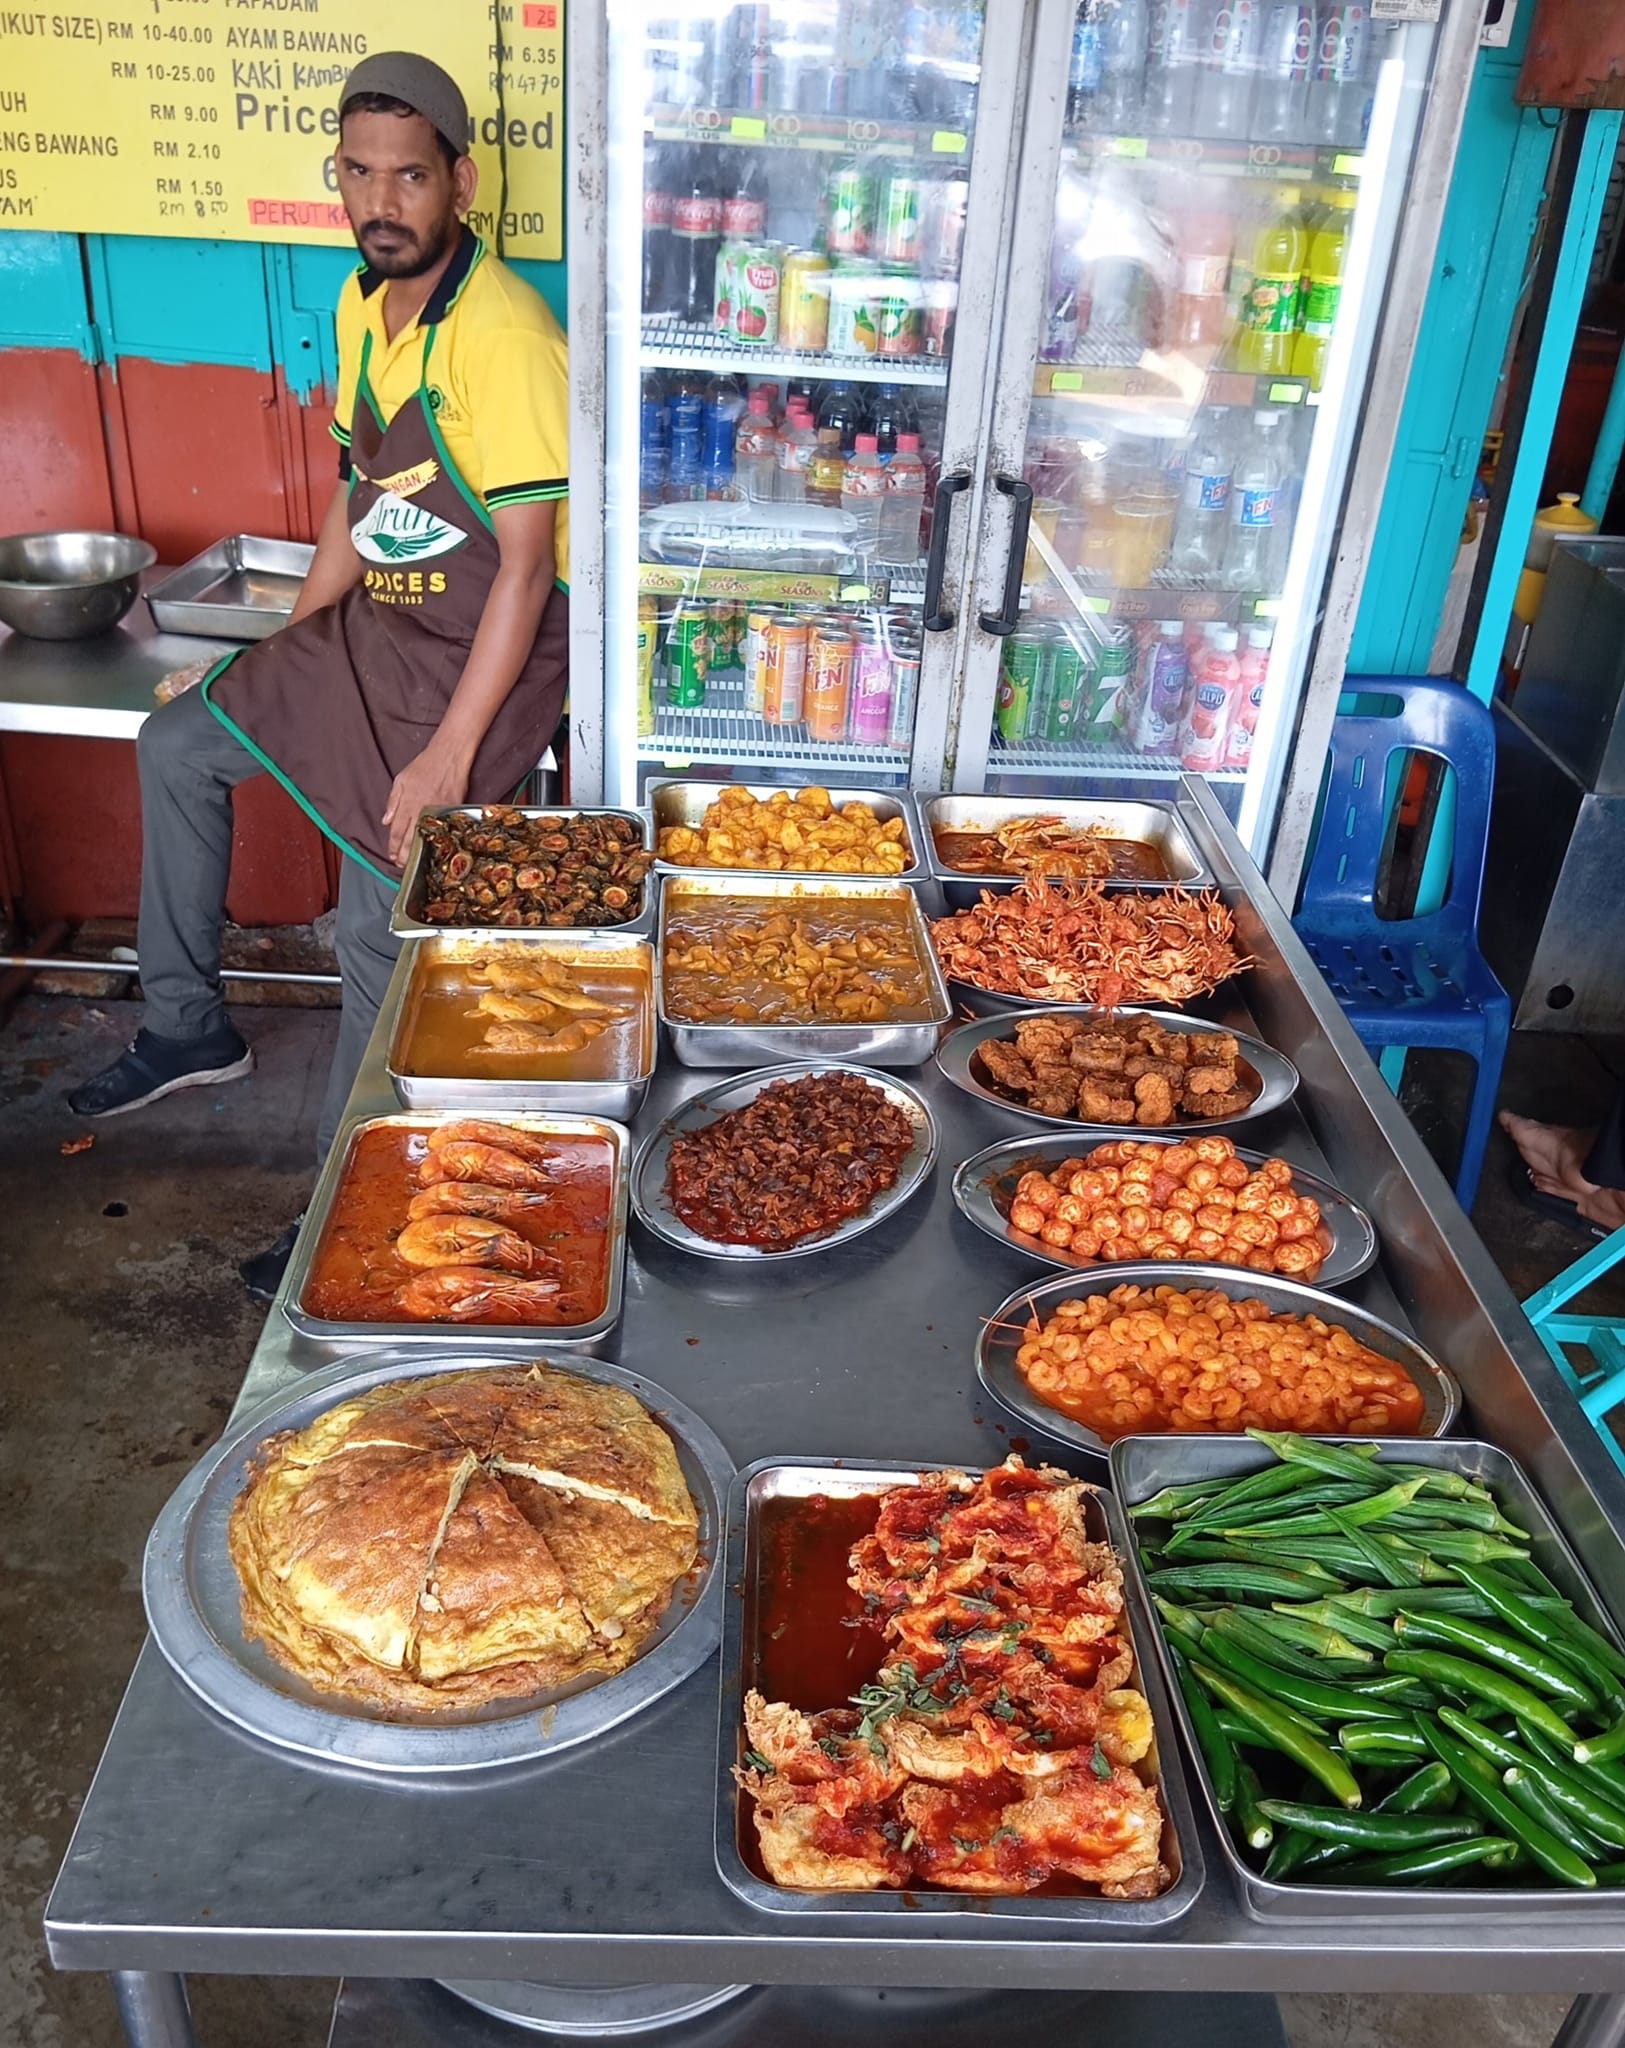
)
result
[(749, 1045), (502, 1338), (620, 1100), (741, 1625), (1142, 1465), (406, 919), (684, 802), (1154, 824), (243, 588)]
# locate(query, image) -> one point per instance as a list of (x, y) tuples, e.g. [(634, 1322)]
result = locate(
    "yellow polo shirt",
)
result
[(499, 380)]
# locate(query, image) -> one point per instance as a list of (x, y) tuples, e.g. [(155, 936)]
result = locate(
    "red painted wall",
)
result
[(53, 460)]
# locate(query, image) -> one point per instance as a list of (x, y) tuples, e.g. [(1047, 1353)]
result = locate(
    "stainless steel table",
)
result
[(199, 1850)]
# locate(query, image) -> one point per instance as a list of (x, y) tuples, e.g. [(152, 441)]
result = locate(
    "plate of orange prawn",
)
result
[(487, 1221)]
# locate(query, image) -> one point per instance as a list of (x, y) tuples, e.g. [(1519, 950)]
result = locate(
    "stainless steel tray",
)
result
[(1153, 824), (680, 801), (406, 919), (1142, 1465), (986, 1182), (1001, 1339), (649, 1169), (243, 588), (1274, 1075), (502, 1092), (193, 1596), (736, 1045), (741, 1656), (522, 1339)]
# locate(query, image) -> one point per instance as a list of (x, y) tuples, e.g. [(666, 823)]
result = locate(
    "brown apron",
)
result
[(337, 705)]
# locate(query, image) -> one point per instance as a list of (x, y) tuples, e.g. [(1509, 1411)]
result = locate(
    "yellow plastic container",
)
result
[(1552, 524)]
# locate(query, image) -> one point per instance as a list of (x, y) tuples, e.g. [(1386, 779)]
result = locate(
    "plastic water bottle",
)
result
[(1202, 530), (719, 456), (863, 490), (1171, 67), (1084, 71), (904, 503), (755, 450), (654, 443), (1250, 561), (793, 453), (1229, 63), (1123, 31), (1281, 108), (826, 470), (1338, 91)]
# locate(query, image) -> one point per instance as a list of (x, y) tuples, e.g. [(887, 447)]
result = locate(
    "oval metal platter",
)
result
[(985, 1185), (653, 1209), (193, 1597), (1270, 1072), (1001, 1338)]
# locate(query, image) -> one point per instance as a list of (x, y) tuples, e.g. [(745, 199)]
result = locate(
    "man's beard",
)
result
[(411, 257)]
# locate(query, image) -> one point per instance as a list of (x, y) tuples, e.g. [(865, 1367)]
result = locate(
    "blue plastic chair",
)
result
[(1419, 980), (1599, 1380)]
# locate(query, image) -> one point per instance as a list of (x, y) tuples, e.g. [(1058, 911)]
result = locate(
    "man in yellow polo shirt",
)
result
[(426, 660)]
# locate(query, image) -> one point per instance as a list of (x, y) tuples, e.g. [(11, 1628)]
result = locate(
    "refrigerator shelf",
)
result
[(722, 730), (1287, 162), (1170, 597), (888, 585), (1070, 757), (927, 141), (674, 344), (1115, 382)]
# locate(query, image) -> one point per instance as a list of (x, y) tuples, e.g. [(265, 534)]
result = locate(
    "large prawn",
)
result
[(460, 1294), (491, 1165), (470, 1241), (476, 1130), (512, 1206)]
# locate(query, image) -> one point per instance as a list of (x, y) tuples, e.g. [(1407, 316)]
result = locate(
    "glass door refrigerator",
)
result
[(804, 206), (1208, 203)]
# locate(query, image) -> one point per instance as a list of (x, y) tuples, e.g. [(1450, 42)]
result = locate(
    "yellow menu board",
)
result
[(218, 117)]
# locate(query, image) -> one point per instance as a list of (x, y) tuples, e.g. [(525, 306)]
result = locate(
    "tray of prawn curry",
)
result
[(513, 1226)]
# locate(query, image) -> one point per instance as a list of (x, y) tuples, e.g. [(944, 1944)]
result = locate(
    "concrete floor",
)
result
[(127, 1335)]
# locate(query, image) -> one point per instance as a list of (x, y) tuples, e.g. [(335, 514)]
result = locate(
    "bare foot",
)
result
[(1603, 1206), (1554, 1154)]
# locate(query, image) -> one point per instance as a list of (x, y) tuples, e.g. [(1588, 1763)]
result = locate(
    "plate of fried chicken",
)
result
[(1089, 1069)]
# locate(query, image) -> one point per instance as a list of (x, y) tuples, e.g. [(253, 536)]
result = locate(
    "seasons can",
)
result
[(784, 687), (689, 654), (804, 300), (727, 632), (757, 622), (849, 210), (830, 662), (1066, 679), (897, 218), (648, 634), (871, 690), (756, 286), (899, 320), (1021, 668)]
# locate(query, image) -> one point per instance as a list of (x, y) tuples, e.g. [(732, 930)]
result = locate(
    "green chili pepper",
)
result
[(1290, 1733), (1485, 1792), (1291, 1851), (1611, 1873), (1254, 1824), (1507, 1653), (1211, 1739), (1601, 1749), (1576, 1787), (1308, 1695), (1418, 1866), (1268, 1582), (1461, 1674), (1390, 1831), (1399, 1692), (1429, 1790), (1538, 1801), (1381, 1741)]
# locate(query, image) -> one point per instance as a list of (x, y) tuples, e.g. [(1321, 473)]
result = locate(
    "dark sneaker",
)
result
[(151, 1066), (262, 1274)]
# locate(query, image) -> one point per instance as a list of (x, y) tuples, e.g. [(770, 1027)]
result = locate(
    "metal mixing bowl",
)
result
[(66, 586)]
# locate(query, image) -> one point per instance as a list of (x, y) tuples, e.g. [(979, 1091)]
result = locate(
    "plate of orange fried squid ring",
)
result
[(1200, 1350), (1167, 1201)]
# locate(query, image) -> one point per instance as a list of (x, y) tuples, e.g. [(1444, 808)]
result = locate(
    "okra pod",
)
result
[(1338, 1461), (1332, 1521), (1267, 1582)]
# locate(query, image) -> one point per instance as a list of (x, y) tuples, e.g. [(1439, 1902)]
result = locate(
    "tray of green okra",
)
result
[(1398, 1688)]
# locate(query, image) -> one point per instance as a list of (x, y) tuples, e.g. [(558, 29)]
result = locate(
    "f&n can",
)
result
[(784, 688), (689, 654), (804, 300), (757, 622), (648, 633), (871, 689), (829, 682), (1021, 667)]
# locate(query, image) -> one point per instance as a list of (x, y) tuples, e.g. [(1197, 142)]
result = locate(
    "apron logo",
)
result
[(394, 531), (405, 483)]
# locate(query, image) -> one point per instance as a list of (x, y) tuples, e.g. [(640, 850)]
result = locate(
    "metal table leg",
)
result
[(1594, 2020), (153, 2006)]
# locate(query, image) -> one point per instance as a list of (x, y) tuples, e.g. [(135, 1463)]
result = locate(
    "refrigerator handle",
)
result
[(1004, 622), (936, 620)]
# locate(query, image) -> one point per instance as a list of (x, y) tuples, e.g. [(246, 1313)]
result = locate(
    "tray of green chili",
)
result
[(1397, 1687)]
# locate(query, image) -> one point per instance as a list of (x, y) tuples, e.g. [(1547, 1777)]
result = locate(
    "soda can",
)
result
[(905, 691), (1021, 664), (757, 622), (689, 655), (898, 218), (899, 321), (1108, 706), (648, 634), (804, 300), (849, 211), (722, 297), (1067, 677), (871, 691), (756, 286), (785, 682), (940, 297), (942, 230), (830, 661), (853, 291)]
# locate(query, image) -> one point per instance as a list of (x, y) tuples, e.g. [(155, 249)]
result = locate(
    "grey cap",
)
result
[(417, 82)]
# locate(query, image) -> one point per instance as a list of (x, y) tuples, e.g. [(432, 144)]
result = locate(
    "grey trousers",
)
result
[(189, 766)]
